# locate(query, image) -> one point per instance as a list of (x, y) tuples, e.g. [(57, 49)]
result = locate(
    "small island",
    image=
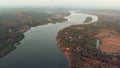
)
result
[(78, 42), (88, 19)]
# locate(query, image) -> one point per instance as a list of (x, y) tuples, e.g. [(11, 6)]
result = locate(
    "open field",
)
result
[(110, 45)]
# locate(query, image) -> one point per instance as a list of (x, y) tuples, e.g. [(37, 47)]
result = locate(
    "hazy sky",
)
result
[(84, 3)]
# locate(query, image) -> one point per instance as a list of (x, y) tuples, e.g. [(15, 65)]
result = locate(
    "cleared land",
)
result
[(110, 41), (110, 45)]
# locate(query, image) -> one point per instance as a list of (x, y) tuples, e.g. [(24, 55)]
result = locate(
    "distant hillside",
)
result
[(14, 22)]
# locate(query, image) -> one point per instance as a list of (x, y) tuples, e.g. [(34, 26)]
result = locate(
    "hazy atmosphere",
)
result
[(59, 33), (68, 3)]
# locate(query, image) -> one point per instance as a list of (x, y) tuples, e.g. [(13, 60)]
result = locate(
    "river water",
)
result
[(39, 48)]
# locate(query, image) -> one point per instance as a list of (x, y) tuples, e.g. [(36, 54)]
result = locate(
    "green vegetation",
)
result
[(88, 19), (6, 50), (8, 46), (14, 22), (84, 38)]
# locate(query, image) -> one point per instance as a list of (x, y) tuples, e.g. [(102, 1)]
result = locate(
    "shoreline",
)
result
[(65, 52), (68, 51), (87, 60), (11, 42)]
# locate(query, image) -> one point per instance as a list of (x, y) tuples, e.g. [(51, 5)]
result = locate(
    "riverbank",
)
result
[(66, 52), (81, 40), (13, 28)]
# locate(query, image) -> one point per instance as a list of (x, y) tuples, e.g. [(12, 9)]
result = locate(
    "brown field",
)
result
[(110, 41), (110, 45)]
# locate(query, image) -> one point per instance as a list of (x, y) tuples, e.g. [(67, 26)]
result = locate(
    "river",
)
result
[(39, 48)]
